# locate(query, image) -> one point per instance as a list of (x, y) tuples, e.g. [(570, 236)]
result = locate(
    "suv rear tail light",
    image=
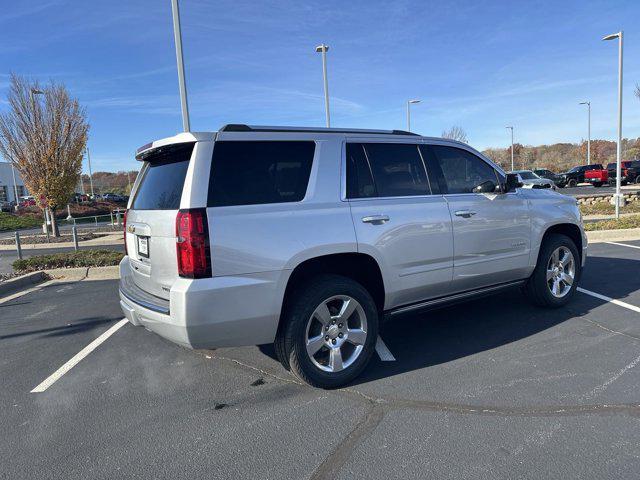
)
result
[(124, 228), (192, 247)]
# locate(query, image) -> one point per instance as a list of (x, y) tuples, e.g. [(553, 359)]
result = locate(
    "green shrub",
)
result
[(82, 258), (9, 221)]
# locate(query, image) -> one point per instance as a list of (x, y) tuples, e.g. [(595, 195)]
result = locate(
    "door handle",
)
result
[(375, 219), (464, 213)]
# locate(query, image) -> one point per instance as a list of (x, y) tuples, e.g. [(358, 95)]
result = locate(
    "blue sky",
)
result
[(478, 64)]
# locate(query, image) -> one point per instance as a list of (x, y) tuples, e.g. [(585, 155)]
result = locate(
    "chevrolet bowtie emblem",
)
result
[(131, 229)]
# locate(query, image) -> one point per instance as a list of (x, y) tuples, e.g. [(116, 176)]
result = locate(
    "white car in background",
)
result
[(531, 180)]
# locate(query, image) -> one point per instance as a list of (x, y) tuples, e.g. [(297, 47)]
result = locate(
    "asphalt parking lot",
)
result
[(491, 389)]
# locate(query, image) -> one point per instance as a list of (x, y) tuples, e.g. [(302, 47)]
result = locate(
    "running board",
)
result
[(451, 299)]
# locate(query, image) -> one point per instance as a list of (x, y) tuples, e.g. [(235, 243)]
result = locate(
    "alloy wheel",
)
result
[(336, 333), (561, 272)]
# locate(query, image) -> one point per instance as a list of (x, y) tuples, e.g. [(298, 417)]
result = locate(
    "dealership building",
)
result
[(6, 184)]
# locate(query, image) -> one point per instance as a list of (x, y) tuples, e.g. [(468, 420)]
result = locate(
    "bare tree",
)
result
[(455, 133), (44, 139), (638, 91)]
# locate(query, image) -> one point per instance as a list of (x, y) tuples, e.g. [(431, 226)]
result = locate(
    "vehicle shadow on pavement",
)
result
[(439, 336), (614, 277)]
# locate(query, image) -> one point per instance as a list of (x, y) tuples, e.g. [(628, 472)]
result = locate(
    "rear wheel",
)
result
[(329, 331), (597, 184), (637, 180), (572, 183), (556, 275)]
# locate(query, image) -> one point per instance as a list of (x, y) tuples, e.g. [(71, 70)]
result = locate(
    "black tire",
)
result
[(637, 179), (290, 344), (597, 185), (573, 183), (612, 182), (536, 288)]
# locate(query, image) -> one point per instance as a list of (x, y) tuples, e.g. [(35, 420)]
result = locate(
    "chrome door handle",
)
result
[(465, 213), (375, 219)]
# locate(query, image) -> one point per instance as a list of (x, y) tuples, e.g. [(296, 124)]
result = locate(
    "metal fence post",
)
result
[(74, 232), (118, 221), (96, 219), (18, 247), (111, 213)]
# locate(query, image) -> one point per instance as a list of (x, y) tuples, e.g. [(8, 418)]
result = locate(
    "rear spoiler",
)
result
[(146, 151)]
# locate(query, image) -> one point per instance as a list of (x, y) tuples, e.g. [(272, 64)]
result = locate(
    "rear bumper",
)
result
[(209, 313)]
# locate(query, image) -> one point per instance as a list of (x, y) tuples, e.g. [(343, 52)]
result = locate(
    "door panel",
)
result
[(492, 244), (414, 247)]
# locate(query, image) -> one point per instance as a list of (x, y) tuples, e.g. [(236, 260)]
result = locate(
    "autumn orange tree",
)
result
[(43, 134)]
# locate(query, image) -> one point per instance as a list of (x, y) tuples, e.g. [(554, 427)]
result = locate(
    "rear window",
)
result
[(162, 182), (251, 173)]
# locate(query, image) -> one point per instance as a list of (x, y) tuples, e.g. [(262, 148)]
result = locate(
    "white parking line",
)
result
[(609, 299), (77, 358), (383, 352), (623, 245)]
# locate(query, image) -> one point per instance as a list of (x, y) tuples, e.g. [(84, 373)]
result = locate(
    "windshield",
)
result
[(527, 175), (574, 169)]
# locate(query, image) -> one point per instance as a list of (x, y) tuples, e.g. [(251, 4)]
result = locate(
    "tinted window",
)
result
[(462, 170), (397, 169), (162, 182), (527, 175), (611, 166), (250, 173), (359, 180)]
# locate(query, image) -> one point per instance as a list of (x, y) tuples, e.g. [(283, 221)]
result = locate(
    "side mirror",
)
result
[(512, 182), (485, 187)]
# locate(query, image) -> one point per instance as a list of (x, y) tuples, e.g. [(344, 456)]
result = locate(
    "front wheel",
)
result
[(329, 331), (555, 278), (573, 183)]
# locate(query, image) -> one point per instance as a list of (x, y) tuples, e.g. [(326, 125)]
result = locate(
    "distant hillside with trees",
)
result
[(560, 157)]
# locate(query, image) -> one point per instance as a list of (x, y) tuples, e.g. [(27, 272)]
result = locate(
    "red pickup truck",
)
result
[(597, 178)]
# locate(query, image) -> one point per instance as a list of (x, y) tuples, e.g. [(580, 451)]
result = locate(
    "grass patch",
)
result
[(605, 208), (8, 221), (623, 222), (82, 258)]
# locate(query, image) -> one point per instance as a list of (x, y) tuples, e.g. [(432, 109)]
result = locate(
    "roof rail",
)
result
[(239, 127)]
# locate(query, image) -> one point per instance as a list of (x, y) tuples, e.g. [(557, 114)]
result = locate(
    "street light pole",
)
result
[(86, 149), (512, 166), (618, 196), (181, 80), (588, 104), (323, 49), (409, 102)]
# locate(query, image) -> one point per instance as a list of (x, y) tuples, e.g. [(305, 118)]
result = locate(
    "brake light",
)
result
[(124, 228), (192, 243), (624, 172)]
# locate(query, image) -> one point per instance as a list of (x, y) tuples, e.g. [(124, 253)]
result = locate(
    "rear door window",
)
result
[(385, 170), (251, 173), (163, 179)]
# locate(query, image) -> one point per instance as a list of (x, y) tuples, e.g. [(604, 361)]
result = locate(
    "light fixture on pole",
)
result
[(618, 198), (181, 79), (409, 102), (588, 104), (512, 166), (323, 50)]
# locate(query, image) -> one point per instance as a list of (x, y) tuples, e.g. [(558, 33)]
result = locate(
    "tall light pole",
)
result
[(618, 196), (323, 49), (512, 167), (588, 104), (409, 102), (181, 80), (86, 149)]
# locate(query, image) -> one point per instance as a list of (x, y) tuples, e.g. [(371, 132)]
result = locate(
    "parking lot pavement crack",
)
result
[(251, 367), (332, 464), (615, 332)]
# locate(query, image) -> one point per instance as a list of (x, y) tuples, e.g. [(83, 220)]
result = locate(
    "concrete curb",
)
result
[(598, 236), (22, 282)]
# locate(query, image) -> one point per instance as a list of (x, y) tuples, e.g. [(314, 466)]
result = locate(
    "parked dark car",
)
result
[(6, 206), (112, 197), (630, 172), (548, 174), (576, 175)]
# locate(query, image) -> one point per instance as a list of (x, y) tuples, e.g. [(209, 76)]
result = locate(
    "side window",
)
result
[(250, 173), (359, 178), (463, 171), (398, 169)]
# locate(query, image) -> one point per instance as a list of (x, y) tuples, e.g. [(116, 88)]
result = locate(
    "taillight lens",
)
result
[(124, 228), (192, 243)]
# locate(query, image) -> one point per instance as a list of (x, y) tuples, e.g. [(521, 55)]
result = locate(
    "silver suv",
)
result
[(307, 238)]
